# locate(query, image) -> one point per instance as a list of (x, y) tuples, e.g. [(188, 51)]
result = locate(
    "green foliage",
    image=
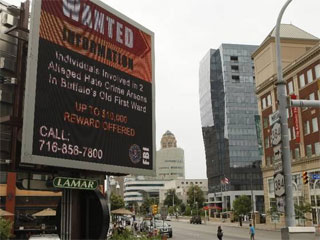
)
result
[(182, 207), (116, 201), (302, 209), (171, 210), (242, 205), (172, 198), (145, 206), (187, 211), (128, 235), (5, 228), (273, 211), (195, 195)]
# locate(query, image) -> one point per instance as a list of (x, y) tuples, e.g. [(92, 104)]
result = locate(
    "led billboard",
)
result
[(89, 100)]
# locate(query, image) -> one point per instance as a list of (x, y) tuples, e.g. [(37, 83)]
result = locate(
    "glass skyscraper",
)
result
[(229, 115)]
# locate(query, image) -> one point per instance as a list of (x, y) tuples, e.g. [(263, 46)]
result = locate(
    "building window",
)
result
[(301, 80), (289, 133), (309, 76), (315, 125), (293, 133), (268, 161), (265, 122), (234, 58), (266, 142), (311, 96), (306, 128), (290, 87), (269, 102), (235, 77), (317, 70), (297, 153), (270, 186), (234, 68), (317, 148), (264, 103), (309, 150)]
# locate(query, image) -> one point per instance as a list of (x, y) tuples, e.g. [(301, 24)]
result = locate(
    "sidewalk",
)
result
[(214, 221), (262, 226)]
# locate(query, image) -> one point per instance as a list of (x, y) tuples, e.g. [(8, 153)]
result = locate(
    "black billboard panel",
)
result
[(90, 89)]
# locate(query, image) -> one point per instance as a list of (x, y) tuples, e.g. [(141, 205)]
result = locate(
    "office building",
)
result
[(229, 115), (301, 72), (170, 159), (181, 187)]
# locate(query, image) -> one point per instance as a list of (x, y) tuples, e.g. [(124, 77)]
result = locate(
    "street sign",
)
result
[(275, 217), (315, 176), (164, 212), (280, 203), (279, 187), (75, 183), (277, 163), (274, 117), (276, 134)]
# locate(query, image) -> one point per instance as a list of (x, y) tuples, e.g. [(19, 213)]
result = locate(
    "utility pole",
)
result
[(283, 105)]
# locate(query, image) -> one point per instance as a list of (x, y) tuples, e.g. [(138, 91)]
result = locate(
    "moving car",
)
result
[(195, 220)]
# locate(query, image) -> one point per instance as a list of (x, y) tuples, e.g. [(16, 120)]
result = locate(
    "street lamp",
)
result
[(282, 98), (253, 217), (117, 188)]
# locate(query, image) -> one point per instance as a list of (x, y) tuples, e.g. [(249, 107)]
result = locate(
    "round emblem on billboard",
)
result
[(135, 153)]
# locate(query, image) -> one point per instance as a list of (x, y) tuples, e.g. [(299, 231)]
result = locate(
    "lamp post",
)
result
[(253, 198), (117, 188), (282, 98)]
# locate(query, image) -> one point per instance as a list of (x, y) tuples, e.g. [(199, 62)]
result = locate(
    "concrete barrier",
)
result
[(298, 233)]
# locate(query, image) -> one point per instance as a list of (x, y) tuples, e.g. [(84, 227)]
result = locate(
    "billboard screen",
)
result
[(89, 100)]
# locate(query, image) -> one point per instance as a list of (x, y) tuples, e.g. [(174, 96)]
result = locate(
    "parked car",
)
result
[(195, 220), (163, 228)]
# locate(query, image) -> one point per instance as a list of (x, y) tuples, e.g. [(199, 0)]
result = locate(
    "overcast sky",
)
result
[(184, 31)]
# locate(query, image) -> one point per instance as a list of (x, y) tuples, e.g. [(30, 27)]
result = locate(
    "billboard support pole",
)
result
[(66, 214)]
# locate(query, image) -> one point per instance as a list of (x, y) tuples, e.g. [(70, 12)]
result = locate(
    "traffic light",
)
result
[(305, 177), (154, 209)]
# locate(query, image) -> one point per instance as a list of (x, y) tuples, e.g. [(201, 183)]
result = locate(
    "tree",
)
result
[(242, 205), (5, 228), (116, 201), (195, 196), (172, 199), (301, 210), (187, 211), (182, 207), (147, 202)]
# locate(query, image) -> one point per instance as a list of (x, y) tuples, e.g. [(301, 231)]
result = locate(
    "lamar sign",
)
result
[(75, 183)]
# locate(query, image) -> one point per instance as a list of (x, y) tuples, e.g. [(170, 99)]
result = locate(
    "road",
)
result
[(186, 231)]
